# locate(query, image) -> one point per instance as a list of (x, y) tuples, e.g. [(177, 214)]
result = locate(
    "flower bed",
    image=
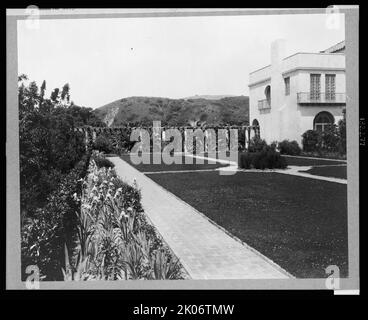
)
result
[(115, 239)]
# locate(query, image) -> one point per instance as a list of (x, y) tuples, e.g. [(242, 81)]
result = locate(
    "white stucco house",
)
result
[(297, 93)]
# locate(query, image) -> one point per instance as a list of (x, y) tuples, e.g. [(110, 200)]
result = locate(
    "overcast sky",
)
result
[(107, 59)]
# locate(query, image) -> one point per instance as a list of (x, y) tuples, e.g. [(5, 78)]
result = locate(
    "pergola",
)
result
[(91, 133)]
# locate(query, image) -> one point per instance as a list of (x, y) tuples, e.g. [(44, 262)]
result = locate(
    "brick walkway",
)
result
[(206, 251)]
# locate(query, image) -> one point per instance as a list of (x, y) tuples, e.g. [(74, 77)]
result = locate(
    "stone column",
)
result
[(86, 138), (249, 137), (93, 135)]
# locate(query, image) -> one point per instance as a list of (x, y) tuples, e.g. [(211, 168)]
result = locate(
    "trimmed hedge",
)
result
[(289, 147), (268, 158), (256, 144)]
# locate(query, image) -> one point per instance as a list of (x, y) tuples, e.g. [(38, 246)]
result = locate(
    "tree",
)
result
[(342, 134), (49, 144), (22, 77), (55, 95), (43, 88), (65, 96), (52, 160)]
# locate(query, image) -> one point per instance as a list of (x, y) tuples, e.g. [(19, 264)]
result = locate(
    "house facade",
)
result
[(297, 93)]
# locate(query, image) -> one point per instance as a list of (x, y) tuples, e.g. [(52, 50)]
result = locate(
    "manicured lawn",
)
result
[(324, 155), (173, 167), (299, 223), (293, 161), (330, 171)]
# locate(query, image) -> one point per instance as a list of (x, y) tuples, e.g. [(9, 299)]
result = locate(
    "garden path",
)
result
[(205, 250)]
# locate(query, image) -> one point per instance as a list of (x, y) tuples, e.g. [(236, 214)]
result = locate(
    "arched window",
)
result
[(268, 93), (257, 130), (322, 120)]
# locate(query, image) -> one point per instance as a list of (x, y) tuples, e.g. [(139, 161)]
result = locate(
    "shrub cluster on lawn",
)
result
[(289, 147), (331, 140), (256, 144), (266, 158), (101, 160), (115, 240)]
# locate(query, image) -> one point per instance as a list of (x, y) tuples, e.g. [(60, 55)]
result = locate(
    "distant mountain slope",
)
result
[(228, 110), (209, 97)]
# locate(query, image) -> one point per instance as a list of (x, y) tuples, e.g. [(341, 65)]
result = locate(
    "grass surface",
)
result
[(299, 223), (173, 167), (330, 171), (326, 155), (293, 161)]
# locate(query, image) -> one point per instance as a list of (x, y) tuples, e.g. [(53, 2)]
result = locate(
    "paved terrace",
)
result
[(205, 250)]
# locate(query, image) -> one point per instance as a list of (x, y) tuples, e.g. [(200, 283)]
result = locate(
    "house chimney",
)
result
[(277, 85), (278, 51)]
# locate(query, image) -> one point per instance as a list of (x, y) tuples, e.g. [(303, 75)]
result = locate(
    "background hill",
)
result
[(175, 112), (209, 97)]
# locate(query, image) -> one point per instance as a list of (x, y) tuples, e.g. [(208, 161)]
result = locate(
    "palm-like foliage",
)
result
[(115, 240), (165, 268)]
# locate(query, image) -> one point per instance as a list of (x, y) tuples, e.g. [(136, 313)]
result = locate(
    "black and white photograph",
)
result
[(218, 147)]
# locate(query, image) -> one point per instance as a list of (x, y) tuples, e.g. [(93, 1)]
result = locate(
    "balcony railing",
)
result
[(264, 104), (321, 98)]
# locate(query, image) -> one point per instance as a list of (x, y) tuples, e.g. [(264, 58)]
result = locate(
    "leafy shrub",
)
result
[(241, 140), (342, 135), (268, 158), (273, 145), (103, 144), (256, 144), (49, 145), (114, 142), (54, 226), (164, 268), (331, 140), (103, 162), (100, 160), (289, 147), (311, 140)]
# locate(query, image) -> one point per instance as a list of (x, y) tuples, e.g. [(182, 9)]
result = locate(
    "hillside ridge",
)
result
[(143, 110)]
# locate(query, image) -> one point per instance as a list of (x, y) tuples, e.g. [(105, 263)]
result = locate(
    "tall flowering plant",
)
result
[(116, 242)]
